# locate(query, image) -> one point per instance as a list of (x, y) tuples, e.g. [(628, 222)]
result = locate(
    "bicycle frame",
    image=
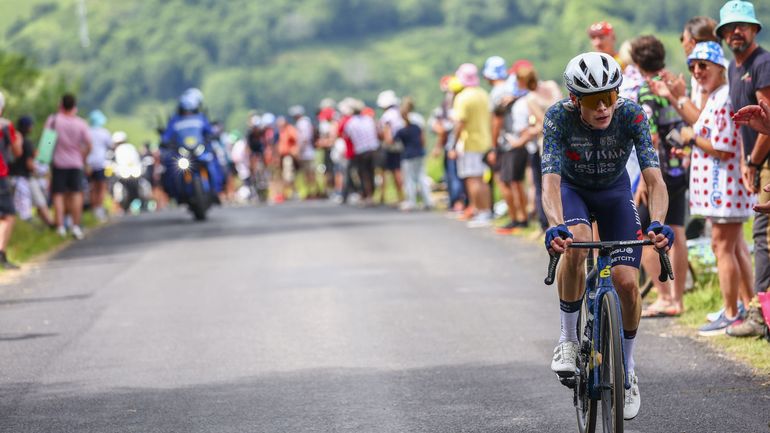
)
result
[(597, 287)]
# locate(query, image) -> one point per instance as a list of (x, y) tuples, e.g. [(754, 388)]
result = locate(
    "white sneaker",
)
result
[(633, 399), (77, 233), (482, 219), (564, 358), (61, 231)]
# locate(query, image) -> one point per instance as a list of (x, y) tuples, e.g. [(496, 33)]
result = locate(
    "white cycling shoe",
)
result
[(633, 400), (564, 358)]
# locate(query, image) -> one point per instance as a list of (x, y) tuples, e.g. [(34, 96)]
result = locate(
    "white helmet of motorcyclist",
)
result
[(119, 137), (191, 99)]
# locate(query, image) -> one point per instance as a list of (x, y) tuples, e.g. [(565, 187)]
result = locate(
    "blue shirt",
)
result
[(593, 158), (411, 137)]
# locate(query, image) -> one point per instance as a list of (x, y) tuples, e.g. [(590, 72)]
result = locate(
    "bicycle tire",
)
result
[(611, 369), (585, 406)]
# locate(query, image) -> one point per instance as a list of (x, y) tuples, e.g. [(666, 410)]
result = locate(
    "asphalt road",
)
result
[(318, 318)]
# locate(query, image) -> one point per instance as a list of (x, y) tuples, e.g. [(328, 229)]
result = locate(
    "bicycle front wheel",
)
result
[(585, 406), (611, 370)]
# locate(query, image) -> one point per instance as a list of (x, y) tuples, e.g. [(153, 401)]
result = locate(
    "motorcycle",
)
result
[(191, 176), (130, 189)]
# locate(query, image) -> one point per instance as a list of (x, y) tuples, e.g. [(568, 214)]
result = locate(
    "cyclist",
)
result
[(587, 140)]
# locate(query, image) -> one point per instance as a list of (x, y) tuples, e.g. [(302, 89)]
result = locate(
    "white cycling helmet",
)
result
[(592, 73)]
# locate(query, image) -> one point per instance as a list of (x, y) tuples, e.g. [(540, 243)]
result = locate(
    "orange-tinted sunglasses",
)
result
[(592, 100)]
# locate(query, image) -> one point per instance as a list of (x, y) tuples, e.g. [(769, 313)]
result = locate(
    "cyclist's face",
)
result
[(597, 116)]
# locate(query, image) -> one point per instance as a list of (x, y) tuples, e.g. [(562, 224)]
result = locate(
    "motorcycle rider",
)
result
[(189, 123)]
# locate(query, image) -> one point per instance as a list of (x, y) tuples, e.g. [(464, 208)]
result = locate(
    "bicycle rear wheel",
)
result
[(585, 406), (611, 370)]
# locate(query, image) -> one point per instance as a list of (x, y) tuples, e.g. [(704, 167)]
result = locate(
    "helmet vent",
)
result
[(581, 83)]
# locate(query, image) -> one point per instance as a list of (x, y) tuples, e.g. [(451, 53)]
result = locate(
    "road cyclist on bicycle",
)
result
[(587, 141)]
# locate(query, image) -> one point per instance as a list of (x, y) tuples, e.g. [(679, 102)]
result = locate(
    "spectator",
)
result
[(649, 55), (672, 87), (520, 140), (28, 191), (473, 139), (545, 95), (603, 40), (715, 188), (502, 156), (413, 141), (10, 148), (327, 127), (305, 149), (390, 123), (362, 131), (288, 151), (749, 78), (101, 140), (442, 125), (73, 144)]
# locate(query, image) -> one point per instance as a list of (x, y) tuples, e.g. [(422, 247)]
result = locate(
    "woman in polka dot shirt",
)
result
[(716, 188)]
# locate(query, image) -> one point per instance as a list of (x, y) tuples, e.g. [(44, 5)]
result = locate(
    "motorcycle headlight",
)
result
[(183, 163), (136, 172)]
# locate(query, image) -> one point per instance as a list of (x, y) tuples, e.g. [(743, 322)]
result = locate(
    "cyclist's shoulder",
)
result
[(561, 115), (626, 109)]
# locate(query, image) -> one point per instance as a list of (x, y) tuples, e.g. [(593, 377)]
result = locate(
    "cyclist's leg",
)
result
[(571, 275), (571, 281), (618, 219)]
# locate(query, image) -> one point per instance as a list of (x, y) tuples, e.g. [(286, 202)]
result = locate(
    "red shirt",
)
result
[(349, 152)]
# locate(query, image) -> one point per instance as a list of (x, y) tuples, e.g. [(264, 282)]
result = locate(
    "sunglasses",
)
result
[(703, 66), (592, 101), (729, 28)]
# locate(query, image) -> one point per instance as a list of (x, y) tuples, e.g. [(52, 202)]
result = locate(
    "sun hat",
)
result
[(494, 69), (468, 74), (736, 11), (387, 99), (709, 51)]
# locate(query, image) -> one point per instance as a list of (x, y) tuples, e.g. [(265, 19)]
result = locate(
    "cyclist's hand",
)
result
[(661, 235), (557, 239)]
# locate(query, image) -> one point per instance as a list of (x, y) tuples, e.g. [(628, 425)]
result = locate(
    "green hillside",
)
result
[(270, 54)]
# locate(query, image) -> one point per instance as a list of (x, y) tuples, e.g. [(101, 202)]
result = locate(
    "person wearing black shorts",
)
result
[(649, 55)]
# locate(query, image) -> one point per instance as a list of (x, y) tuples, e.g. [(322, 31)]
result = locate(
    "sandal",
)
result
[(669, 311)]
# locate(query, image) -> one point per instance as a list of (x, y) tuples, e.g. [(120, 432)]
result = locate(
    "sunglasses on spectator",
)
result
[(592, 101), (698, 65), (729, 28)]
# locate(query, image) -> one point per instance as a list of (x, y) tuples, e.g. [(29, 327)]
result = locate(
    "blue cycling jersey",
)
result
[(593, 158)]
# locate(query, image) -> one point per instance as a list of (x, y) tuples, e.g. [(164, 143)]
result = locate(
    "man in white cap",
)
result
[(474, 138), (749, 79)]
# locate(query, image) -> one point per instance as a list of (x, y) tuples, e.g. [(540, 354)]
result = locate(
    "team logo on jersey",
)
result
[(716, 199), (572, 155)]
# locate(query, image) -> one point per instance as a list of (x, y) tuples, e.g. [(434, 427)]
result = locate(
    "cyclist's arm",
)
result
[(552, 199), (657, 194), (553, 142)]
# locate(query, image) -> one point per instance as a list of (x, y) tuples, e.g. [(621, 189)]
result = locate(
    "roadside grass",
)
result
[(705, 298), (32, 239)]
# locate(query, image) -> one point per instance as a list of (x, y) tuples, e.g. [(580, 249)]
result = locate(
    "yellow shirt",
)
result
[(471, 106)]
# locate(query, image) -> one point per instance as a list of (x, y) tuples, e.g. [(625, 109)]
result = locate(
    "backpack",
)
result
[(5, 147)]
